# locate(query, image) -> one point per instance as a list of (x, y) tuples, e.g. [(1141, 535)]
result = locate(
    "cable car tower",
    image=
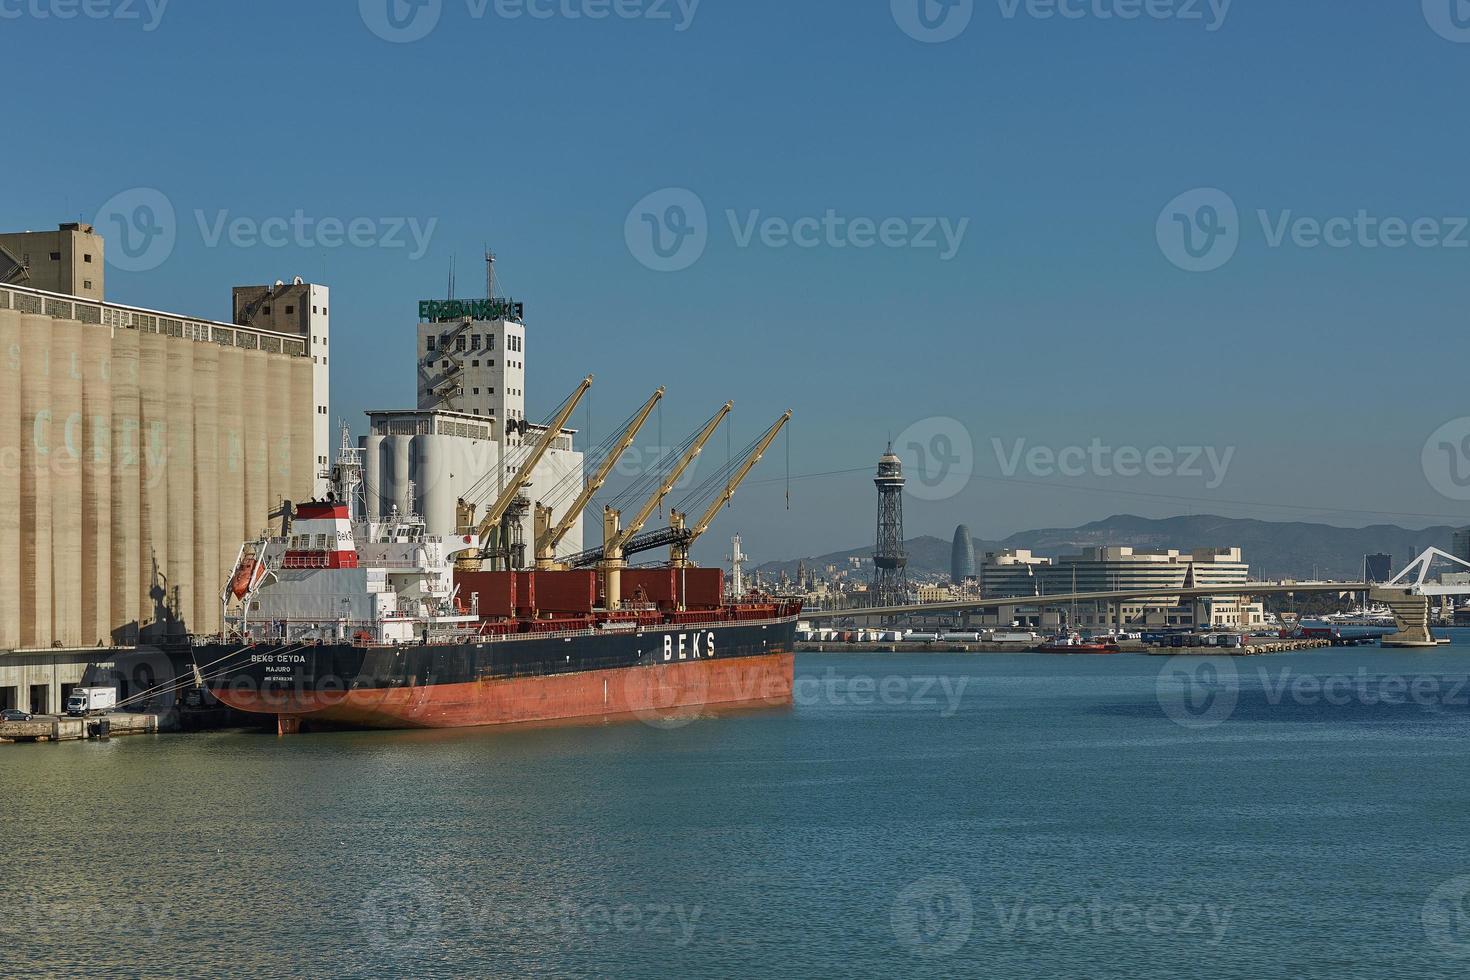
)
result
[(890, 561)]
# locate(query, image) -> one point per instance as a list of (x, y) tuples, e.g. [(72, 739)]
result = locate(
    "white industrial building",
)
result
[(428, 462), (1119, 568), (460, 447)]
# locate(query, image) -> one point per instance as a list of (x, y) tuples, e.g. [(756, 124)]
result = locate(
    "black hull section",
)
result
[(336, 667)]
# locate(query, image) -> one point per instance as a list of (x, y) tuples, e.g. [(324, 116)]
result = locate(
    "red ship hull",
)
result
[(656, 693), (1096, 649)]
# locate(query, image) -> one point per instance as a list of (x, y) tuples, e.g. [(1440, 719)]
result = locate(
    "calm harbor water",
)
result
[(1014, 816)]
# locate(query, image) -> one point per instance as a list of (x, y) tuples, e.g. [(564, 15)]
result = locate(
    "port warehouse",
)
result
[(139, 449), (1023, 575)]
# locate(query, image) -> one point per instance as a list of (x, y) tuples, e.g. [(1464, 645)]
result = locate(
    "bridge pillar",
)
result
[(1411, 612)]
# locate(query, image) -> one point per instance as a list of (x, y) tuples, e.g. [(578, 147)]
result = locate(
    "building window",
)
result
[(474, 363), (431, 342), (55, 256), (87, 257), (459, 343), (475, 342), (266, 308), (490, 341), (290, 309), (86, 284), (313, 309), (477, 391)]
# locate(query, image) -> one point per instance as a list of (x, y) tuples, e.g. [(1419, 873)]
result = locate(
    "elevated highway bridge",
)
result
[(1065, 598)]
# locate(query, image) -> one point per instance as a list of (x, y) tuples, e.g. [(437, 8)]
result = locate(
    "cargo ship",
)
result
[(345, 619)]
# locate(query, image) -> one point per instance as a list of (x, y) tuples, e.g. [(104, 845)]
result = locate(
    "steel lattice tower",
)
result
[(890, 561)]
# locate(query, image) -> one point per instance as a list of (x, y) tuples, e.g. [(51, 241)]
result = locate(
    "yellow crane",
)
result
[(547, 537), (614, 536), (491, 520), (679, 550)]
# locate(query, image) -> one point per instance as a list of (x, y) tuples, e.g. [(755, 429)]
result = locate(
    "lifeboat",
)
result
[(245, 577)]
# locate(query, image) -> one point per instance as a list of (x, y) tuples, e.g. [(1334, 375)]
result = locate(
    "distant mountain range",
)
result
[(1273, 549)]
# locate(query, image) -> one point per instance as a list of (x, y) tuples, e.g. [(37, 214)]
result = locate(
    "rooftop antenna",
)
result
[(451, 278), (489, 273)]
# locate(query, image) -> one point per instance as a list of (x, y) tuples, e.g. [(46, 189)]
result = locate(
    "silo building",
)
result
[(140, 448)]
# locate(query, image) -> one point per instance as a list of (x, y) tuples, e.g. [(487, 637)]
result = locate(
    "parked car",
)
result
[(15, 714)]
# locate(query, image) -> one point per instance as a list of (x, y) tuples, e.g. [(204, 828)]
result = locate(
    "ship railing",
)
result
[(330, 630), (315, 560), (662, 628)]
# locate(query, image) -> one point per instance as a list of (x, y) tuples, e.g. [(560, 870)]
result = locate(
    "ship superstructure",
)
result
[(331, 574)]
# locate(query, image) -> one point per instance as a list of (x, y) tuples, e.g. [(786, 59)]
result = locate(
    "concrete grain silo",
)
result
[(127, 569), (206, 613), (138, 451), (10, 479), (153, 538), (372, 471), (95, 363), (400, 474), (64, 455), (278, 431), (256, 422), (35, 482), (234, 529), (179, 476), (305, 465)]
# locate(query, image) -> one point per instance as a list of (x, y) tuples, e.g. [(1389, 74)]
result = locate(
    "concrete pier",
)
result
[(61, 728)]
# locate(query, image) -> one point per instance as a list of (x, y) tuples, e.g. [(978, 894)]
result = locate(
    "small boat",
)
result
[(1075, 644)]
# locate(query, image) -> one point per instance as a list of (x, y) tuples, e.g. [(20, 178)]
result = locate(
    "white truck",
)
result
[(90, 700)]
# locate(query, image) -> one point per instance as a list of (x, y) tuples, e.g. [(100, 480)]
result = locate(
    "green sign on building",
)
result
[(440, 310)]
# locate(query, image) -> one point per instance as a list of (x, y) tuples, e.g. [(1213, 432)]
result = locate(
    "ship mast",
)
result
[(346, 476)]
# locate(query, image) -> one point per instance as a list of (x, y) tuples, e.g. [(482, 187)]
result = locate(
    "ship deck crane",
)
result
[(522, 477), (685, 535), (614, 536), (547, 538)]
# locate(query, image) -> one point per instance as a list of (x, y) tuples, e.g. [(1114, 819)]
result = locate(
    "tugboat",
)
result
[(1074, 643)]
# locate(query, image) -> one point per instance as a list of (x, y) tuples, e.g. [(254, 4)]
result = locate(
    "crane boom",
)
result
[(614, 537), (523, 474), (546, 543), (641, 518), (680, 550), (740, 475)]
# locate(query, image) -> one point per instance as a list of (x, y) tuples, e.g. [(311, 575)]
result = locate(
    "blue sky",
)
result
[(1055, 143)]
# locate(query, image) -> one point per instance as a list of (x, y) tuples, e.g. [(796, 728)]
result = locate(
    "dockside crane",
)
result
[(490, 522), (547, 537), (614, 536), (686, 536)]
